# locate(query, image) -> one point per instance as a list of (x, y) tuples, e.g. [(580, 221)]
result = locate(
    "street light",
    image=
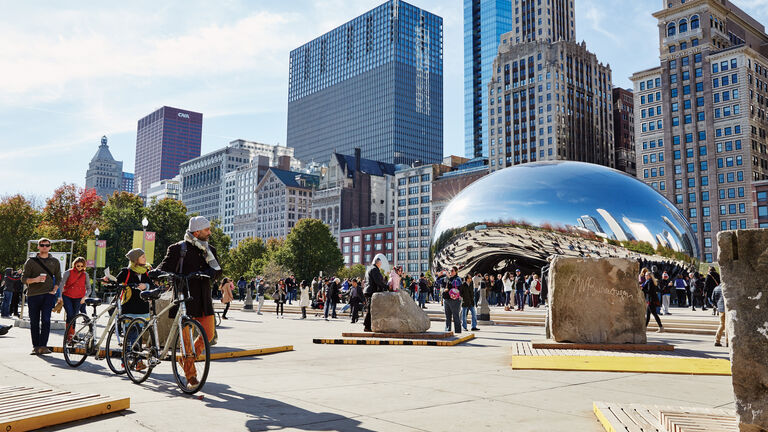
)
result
[(95, 252), (144, 223)]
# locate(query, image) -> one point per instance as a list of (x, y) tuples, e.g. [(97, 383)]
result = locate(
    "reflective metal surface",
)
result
[(519, 216)]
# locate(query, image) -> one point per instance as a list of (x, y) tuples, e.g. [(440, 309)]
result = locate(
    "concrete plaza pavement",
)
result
[(469, 387)]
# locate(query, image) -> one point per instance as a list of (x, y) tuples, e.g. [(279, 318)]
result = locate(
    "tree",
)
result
[(169, 221), (18, 220), (120, 217), (242, 257), (309, 249), (72, 213), (273, 272), (355, 271)]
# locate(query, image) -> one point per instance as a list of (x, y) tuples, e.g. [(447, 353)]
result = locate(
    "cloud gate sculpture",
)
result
[(520, 216)]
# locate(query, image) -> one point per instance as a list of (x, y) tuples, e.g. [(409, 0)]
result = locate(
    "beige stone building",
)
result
[(700, 116)]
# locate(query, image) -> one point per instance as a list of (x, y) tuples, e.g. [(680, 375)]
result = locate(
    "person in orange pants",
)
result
[(188, 360)]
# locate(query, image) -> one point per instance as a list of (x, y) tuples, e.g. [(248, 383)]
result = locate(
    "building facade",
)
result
[(376, 83), (127, 182), (355, 192), (164, 140), (702, 124), (168, 188), (104, 174), (282, 199), (360, 245), (624, 131), (484, 23), (760, 203), (549, 101)]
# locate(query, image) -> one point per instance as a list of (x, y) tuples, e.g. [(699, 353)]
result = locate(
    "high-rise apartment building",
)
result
[(701, 130), (484, 23), (375, 83), (624, 130), (549, 101), (165, 139)]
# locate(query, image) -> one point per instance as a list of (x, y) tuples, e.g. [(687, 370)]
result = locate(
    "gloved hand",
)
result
[(154, 273)]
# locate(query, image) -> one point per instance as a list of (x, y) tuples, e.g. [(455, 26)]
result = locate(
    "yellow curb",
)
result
[(662, 365)]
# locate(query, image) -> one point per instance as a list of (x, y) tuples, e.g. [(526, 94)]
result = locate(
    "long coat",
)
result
[(199, 288)]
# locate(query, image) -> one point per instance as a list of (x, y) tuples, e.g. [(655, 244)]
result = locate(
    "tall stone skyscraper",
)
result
[(484, 23), (549, 97), (376, 83), (105, 174), (165, 139), (700, 116)]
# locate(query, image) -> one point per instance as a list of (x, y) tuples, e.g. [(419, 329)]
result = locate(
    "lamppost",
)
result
[(144, 223), (95, 252)]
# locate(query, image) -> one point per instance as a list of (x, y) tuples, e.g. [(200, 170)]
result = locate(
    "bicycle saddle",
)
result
[(151, 294), (92, 301)]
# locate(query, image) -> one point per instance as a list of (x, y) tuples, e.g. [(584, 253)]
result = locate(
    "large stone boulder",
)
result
[(596, 300), (743, 259), (396, 312)]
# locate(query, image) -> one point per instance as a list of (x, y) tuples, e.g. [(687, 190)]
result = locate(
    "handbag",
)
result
[(59, 305)]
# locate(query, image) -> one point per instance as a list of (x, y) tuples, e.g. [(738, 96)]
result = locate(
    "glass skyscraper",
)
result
[(375, 83), (484, 23), (165, 139)]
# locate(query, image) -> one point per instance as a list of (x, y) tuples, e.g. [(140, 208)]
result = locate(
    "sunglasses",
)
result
[(44, 245), (79, 266)]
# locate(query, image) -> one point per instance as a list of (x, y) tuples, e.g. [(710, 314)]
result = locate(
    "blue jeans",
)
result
[(520, 299), (5, 307), (131, 338), (471, 310), (72, 306), (422, 299), (40, 307), (508, 297), (328, 306)]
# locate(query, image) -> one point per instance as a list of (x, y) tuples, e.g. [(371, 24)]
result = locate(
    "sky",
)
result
[(74, 71)]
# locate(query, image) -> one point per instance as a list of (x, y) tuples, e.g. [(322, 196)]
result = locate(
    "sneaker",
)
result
[(43, 350), (140, 366), (465, 329), (660, 330), (223, 317), (259, 313), (192, 382), (35, 351), (718, 344)]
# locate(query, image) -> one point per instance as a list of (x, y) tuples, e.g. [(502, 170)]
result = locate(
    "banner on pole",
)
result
[(96, 253), (90, 253), (147, 243)]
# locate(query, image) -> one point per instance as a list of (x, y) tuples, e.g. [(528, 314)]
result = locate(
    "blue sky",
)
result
[(74, 71)]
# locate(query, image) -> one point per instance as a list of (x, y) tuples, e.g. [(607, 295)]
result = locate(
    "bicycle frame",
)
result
[(116, 310), (175, 328)]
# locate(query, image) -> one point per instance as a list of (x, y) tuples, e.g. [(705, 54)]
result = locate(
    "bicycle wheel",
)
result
[(78, 338), (138, 351), (194, 360), (115, 340)]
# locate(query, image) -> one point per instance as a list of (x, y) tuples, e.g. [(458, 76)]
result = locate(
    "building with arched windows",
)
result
[(105, 174)]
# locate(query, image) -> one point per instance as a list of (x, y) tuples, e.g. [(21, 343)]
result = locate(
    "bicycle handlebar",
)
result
[(194, 275)]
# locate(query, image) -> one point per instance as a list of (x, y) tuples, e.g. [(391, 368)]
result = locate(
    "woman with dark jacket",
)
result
[(280, 296), (651, 291), (356, 299), (134, 278)]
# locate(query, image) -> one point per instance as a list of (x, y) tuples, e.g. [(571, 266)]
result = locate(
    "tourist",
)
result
[(700, 284), (10, 280), (374, 282), (681, 290), (304, 298), (712, 280), (261, 290), (477, 285), (280, 296), (135, 279), (718, 302), (651, 291), (332, 297), (468, 303), (498, 289), (519, 283), (42, 274), (241, 285), (226, 289), (291, 286), (490, 290), (395, 275), (75, 284), (535, 289), (423, 290), (509, 284), (665, 288), (191, 255), (452, 302), (356, 299), (17, 291)]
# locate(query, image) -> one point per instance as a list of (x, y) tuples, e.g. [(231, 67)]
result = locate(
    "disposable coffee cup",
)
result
[(44, 276)]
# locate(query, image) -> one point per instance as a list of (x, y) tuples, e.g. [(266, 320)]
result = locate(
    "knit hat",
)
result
[(133, 255), (198, 223)]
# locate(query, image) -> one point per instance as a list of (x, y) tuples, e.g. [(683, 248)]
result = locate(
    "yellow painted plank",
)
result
[(251, 352), (603, 417), (664, 365), (65, 415)]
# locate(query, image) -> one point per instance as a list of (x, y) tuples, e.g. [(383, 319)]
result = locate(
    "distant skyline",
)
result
[(75, 72)]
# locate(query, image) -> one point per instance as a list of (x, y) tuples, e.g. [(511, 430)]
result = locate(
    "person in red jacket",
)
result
[(75, 284)]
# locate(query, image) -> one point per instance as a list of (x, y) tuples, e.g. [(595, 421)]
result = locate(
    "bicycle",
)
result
[(142, 352), (79, 337)]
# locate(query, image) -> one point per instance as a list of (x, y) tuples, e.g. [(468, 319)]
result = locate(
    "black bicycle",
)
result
[(186, 346)]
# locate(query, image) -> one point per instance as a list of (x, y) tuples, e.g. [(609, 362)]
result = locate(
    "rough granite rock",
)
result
[(596, 300), (743, 259), (396, 312)]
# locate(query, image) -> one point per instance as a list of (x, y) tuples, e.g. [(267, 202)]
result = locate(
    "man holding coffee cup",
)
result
[(42, 274)]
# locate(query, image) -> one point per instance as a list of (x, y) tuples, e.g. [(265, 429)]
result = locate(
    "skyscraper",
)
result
[(165, 139), (624, 130), (375, 83), (549, 98), (104, 174), (701, 127), (484, 23)]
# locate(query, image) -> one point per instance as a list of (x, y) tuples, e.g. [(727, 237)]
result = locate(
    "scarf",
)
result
[(203, 246), (139, 269)]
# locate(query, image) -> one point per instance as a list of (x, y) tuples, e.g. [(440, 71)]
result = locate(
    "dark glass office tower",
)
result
[(375, 83), (484, 23), (165, 139)]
